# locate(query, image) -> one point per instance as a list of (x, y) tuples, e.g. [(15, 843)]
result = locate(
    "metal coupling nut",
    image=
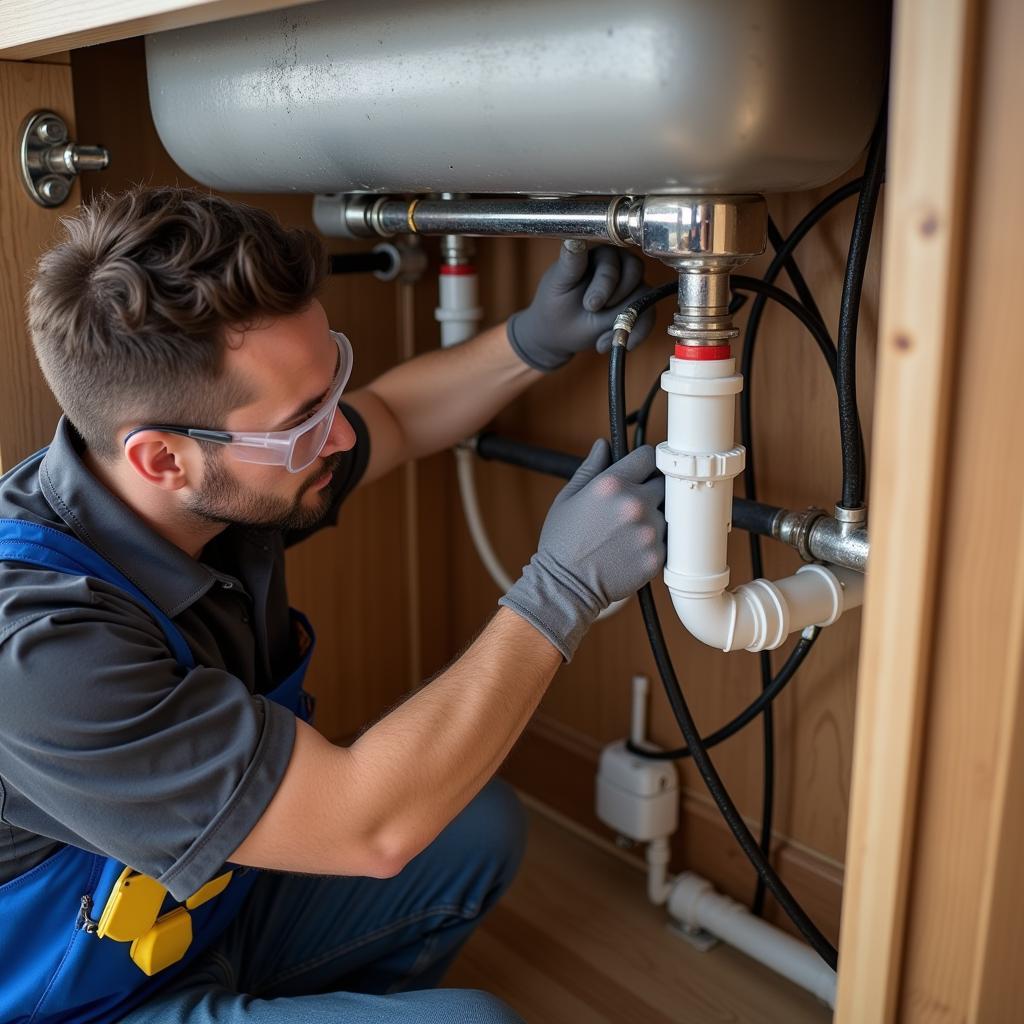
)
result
[(794, 529), (851, 519)]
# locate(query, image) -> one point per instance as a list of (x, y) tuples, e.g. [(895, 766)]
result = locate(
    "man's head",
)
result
[(171, 306)]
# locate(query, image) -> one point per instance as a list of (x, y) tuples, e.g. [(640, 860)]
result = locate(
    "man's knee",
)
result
[(481, 1008), (498, 821)]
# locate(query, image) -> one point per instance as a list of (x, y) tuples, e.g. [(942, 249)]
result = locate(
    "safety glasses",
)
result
[(295, 449)]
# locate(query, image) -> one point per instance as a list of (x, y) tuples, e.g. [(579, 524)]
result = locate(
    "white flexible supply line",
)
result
[(474, 520)]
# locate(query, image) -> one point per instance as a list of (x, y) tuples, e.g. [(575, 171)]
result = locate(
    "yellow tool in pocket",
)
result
[(165, 943), (132, 909), (132, 914)]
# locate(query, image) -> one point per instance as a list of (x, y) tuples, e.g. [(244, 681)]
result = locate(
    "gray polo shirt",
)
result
[(106, 743)]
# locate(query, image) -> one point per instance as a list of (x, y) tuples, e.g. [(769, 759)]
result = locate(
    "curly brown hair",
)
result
[(128, 311)]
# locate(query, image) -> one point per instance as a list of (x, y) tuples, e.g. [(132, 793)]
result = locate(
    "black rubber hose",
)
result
[(764, 664), (527, 456), (698, 751), (757, 571), (792, 240), (784, 248), (800, 286), (764, 700), (849, 314), (643, 414), (818, 332), (359, 262), (754, 516), (746, 515)]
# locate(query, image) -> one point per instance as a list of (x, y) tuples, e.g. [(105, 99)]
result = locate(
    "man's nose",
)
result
[(341, 437)]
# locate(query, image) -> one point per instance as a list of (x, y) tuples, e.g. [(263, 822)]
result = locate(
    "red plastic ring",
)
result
[(703, 352)]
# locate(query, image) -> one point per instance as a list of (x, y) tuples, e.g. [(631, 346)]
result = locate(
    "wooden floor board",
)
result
[(576, 940)]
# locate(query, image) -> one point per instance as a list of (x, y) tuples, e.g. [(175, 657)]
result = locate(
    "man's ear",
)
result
[(161, 460)]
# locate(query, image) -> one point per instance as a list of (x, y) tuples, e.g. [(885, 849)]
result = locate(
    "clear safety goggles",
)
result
[(295, 449)]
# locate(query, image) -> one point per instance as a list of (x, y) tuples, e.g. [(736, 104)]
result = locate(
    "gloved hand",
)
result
[(603, 539), (576, 303)]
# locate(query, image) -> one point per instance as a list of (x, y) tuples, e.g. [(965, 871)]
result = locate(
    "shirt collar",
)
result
[(161, 570)]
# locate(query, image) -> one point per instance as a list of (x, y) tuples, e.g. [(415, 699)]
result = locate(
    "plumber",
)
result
[(178, 842)]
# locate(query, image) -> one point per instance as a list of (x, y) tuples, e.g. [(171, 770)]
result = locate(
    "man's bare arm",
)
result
[(369, 808)]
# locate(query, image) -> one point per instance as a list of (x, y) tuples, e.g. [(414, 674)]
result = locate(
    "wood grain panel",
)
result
[(352, 581), (961, 961), (28, 410), (932, 79)]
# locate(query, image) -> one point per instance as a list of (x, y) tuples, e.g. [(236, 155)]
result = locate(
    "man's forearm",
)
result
[(369, 808), (424, 761), (441, 397)]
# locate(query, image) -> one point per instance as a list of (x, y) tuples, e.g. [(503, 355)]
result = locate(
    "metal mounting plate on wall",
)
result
[(49, 162)]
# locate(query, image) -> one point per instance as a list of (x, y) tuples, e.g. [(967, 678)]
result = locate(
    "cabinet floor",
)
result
[(575, 940)]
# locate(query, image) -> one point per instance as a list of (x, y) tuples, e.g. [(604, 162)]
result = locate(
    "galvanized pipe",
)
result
[(817, 536), (829, 543)]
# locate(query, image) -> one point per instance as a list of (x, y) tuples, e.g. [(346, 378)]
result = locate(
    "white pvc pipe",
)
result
[(458, 311), (700, 461), (638, 717), (464, 459), (659, 885), (694, 903)]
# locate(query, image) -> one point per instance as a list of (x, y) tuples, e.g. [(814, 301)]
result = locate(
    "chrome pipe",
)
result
[(360, 215)]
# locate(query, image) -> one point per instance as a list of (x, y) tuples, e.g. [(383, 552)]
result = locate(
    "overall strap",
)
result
[(22, 541)]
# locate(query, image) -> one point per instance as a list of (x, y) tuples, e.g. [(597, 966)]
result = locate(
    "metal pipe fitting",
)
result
[(851, 518), (361, 215), (832, 541), (820, 537), (703, 238)]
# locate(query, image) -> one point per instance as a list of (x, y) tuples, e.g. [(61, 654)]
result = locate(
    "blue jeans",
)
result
[(322, 950)]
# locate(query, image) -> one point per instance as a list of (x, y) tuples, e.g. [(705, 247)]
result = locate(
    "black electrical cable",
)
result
[(643, 414), (816, 328), (749, 713), (800, 285), (783, 254), (849, 313), (620, 447), (757, 571), (784, 248)]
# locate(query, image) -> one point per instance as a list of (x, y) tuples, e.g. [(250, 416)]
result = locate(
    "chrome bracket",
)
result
[(49, 162)]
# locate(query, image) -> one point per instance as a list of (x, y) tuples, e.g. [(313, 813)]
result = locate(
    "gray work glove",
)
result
[(603, 539), (576, 303)]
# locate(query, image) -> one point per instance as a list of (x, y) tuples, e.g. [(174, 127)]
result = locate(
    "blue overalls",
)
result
[(54, 967)]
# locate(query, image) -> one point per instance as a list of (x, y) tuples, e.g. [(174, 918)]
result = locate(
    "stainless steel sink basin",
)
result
[(542, 97)]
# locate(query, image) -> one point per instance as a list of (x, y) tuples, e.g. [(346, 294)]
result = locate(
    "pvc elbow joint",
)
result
[(758, 616)]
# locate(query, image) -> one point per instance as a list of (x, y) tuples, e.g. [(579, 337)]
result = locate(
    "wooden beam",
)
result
[(32, 29), (962, 959), (930, 131)]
